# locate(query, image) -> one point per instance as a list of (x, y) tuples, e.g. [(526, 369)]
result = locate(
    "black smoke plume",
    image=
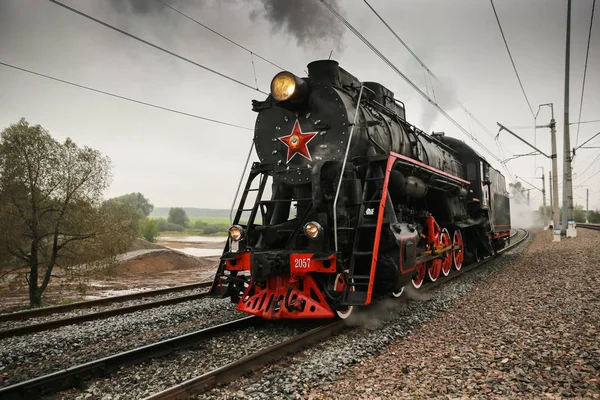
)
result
[(307, 21)]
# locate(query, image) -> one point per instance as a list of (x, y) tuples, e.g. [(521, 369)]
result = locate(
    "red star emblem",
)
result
[(296, 142)]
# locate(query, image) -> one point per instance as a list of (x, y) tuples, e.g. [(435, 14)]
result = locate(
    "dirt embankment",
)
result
[(146, 266)]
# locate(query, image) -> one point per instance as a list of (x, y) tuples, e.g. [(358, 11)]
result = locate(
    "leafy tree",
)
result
[(518, 192), (137, 200), (51, 210), (150, 230), (164, 225), (178, 216), (579, 213)]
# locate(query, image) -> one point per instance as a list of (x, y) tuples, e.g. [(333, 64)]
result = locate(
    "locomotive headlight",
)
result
[(312, 230), (286, 86), (236, 233)]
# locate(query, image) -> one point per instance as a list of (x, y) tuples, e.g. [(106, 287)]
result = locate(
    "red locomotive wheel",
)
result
[(340, 285), (458, 254), (435, 269), (418, 279), (447, 260)]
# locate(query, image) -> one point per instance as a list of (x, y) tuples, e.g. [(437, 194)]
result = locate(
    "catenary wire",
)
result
[(218, 34), (430, 73), (156, 46), (426, 68), (587, 53), (393, 67), (125, 98), (511, 58)]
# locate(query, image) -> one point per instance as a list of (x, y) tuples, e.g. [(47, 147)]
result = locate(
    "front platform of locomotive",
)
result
[(286, 266)]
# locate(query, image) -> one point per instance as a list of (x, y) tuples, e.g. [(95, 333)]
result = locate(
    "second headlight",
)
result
[(313, 230), (236, 233)]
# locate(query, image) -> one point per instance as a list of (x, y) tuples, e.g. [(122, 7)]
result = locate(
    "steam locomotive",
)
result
[(361, 204)]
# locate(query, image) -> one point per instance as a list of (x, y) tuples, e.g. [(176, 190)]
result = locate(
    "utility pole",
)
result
[(587, 205), (568, 224), (551, 202), (544, 196), (554, 179), (544, 215), (554, 175)]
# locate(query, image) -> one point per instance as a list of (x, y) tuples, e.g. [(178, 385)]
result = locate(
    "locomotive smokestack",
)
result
[(325, 70)]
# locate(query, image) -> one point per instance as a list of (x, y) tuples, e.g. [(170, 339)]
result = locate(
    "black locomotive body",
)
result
[(362, 203)]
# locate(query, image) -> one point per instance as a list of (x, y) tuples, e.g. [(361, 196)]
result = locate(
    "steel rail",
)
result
[(44, 326), (595, 227), (73, 376), (253, 361), (40, 312), (274, 353)]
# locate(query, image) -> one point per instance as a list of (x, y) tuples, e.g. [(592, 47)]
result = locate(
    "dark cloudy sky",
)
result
[(182, 161)]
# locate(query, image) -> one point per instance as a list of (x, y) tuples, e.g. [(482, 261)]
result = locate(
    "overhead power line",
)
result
[(218, 34), (587, 53), (156, 46), (511, 58), (125, 98), (432, 75), (393, 67), (430, 72), (584, 122)]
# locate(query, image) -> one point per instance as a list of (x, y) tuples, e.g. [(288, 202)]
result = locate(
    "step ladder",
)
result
[(360, 280)]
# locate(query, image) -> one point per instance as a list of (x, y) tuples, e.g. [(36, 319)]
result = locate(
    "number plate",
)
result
[(302, 263)]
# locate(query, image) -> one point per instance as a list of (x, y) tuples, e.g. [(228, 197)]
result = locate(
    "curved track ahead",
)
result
[(595, 227)]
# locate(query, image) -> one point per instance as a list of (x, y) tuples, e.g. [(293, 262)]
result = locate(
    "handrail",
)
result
[(240, 183), (337, 192)]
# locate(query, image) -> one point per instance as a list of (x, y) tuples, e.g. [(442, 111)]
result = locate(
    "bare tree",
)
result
[(51, 203)]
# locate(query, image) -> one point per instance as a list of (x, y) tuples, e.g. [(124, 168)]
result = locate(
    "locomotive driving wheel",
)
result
[(458, 254), (340, 285), (418, 279), (434, 268), (447, 259)]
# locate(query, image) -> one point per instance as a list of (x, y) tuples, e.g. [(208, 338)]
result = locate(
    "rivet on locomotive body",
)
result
[(317, 122), (322, 133), (279, 162), (278, 128), (274, 140), (285, 118), (323, 146), (318, 158), (274, 152), (299, 172), (307, 115)]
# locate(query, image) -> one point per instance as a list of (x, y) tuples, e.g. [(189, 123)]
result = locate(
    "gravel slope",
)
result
[(531, 331), (5, 325), (299, 376)]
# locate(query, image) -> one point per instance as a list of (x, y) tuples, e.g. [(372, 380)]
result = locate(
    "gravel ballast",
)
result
[(29, 356), (145, 379), (530, 331), (299, 376)]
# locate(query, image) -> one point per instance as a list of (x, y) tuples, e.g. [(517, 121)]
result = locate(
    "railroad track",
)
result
[(75, 376), (595, 227), (275, 353), (41, 312), (43, 326)]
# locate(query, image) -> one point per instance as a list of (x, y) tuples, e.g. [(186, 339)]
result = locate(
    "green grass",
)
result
[(189, 232)]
